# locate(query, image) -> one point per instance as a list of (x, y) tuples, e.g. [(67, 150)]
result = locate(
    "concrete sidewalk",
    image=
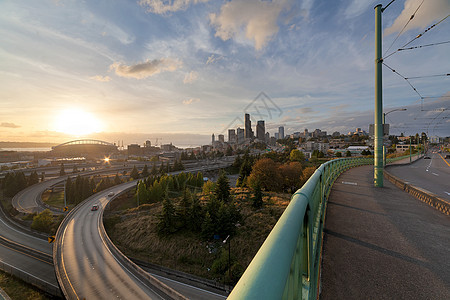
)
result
[(382, 243)]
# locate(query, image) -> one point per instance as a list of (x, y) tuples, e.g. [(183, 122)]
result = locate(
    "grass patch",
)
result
[(17, 289), (55, 199)]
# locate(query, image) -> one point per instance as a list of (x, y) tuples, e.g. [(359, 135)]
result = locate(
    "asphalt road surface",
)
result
[(430, 174)]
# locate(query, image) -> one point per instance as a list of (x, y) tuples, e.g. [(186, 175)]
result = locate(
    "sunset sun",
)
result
[(77, 122)]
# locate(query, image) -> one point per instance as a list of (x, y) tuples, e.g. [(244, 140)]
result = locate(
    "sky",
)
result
[(181, 70)]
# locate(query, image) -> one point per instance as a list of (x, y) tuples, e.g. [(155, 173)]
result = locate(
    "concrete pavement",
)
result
[(382, 243)]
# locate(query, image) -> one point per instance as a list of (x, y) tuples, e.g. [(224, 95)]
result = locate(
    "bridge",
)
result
[(372, 243)]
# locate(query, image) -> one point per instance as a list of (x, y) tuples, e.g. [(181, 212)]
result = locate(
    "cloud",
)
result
[(100, 78), (190, 101), (255, 19), (146, 69), (190, 77), (428, 12), (9, 125), (160, 7)]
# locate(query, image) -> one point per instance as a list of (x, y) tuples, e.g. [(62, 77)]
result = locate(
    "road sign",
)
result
[(66, 208), (51, 239)]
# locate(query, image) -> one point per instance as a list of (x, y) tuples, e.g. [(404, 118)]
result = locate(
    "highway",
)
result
[(89, 266), (432, 174)]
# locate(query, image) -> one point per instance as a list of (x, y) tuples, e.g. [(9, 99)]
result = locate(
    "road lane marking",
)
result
[(444, 159), (447, 193), (435, 174), (350, 183)]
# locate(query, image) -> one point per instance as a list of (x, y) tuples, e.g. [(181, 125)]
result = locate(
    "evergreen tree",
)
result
[(33, 179), (117, 179), (257, 196), (61, 170), (142, 193), (134, 173), (183, 209), (154, 171), (195, 215), (167, 220), (42, 176), (348, 153), (222, 190), (145, 171), (208, 228), (199, 180)]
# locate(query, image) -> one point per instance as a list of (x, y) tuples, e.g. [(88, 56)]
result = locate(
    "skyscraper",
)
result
[(281, 132), (213, 139), (260, 130), (240, 135), (221, 138), (248, 127), (231, 136)]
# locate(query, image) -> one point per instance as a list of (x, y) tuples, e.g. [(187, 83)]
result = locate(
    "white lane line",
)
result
[(350, 183), (447, 193), (435, 174)]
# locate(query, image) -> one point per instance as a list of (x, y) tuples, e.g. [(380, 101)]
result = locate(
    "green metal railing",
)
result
[(287, 264)]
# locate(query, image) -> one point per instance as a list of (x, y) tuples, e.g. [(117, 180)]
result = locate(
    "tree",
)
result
[(75, 169), (154, 171), (195, 215), (145, 172), (338, 154), (134, 173), (142, 194), (291, 174), (166, 223), (33, 179), (43, 221), (307, 172), (296, 155), (117, 179), (222, 190), (348, 153), (266, 172), (257, 196), (229, 151), (61, 170)]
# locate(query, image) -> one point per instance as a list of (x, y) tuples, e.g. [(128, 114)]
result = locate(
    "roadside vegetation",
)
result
[(17, 289)]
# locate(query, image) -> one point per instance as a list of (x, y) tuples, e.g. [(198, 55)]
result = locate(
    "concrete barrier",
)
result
[(422, 194)]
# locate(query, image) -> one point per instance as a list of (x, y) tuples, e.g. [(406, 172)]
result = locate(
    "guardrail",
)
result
[(287, 266)]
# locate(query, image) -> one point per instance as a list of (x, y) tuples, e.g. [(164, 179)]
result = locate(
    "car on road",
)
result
[(111, 194), (447, 156), (94, 207), (426, 157)]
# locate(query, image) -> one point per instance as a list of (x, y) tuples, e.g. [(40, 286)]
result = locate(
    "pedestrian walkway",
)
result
[(382, 243)]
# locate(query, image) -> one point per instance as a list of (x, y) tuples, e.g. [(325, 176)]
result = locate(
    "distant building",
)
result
[(147, 144), (248, 127), (277, 135), (221, 138), (231, 136), (336, 134), (260, 130), (267, 137), (281, 132), (213, 139), (134, 149), (240, 135), (169, 147)]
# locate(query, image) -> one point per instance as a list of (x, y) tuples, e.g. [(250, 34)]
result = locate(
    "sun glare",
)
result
[(77, 122)]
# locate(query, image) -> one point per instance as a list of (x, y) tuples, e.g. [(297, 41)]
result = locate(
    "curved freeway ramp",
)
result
[(89, 266)]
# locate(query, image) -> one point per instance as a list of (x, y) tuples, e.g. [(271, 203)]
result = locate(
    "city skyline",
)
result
[(138, 70)]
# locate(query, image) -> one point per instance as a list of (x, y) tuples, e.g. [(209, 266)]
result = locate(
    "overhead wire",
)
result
[(415, 90), (426, 30), (404, 27), (423, 46)]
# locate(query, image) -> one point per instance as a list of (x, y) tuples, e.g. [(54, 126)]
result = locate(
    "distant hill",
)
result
[(26, 145)]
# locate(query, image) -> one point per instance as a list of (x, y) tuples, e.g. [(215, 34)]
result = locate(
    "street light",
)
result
[(229, 255), (384, 122)]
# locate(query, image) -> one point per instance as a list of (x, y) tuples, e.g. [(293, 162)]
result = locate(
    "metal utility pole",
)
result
[(378, 129)]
